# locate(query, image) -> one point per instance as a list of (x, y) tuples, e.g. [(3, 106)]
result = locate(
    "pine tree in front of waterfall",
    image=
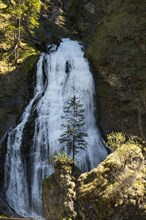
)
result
[(73, 136)]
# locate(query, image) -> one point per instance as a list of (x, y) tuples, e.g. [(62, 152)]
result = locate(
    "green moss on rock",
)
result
[(116, 188), (59, 193)]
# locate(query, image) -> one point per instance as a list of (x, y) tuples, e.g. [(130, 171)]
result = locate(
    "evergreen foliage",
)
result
[(20, 18), (23, 12), (73, 136), (116, 139)]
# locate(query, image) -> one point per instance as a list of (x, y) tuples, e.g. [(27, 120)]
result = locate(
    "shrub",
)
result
[(115, 140), (62, 158)]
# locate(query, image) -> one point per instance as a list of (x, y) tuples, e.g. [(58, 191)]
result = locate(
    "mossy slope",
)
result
[(117, 50), (116, 188)]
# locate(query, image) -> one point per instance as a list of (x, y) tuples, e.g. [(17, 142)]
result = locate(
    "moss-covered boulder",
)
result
[(116, 189), (59, 192)]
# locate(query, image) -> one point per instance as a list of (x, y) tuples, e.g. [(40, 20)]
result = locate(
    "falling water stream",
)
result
[(60, 75)]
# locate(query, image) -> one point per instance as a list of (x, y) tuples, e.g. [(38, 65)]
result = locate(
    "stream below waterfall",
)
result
[(60, 75)]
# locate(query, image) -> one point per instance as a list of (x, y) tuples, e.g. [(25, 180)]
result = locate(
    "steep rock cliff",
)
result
[(113, 33), (117, 50)]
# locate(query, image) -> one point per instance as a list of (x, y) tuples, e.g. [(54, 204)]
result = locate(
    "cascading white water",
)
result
[(16, 185), (66, 74)]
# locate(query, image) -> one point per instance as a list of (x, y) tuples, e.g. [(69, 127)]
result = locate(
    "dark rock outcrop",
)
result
[(16, 90), (59, 193), (46, 44)]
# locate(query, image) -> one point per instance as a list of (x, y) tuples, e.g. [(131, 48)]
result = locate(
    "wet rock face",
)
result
[(116, 189), (3, 147), (10, 108), (16, 90)]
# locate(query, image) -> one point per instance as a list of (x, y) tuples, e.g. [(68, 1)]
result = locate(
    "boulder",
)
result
[(116, 188)]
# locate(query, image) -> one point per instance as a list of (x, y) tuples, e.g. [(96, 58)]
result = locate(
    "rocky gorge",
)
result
[(114, 37)]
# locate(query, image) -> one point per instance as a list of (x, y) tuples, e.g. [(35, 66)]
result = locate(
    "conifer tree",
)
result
[(23, 18), (73, 135), (24, 11)]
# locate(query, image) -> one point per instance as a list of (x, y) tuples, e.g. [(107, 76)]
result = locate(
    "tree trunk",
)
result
[(73, 148)]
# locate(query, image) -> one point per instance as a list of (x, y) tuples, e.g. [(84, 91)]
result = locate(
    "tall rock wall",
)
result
[(113, 33), (117, 50)]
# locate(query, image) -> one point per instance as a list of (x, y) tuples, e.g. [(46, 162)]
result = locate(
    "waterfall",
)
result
[(60, 75)]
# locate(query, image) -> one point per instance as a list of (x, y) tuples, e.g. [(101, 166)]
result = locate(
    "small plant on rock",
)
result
[(115, 140), (62, 158)]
